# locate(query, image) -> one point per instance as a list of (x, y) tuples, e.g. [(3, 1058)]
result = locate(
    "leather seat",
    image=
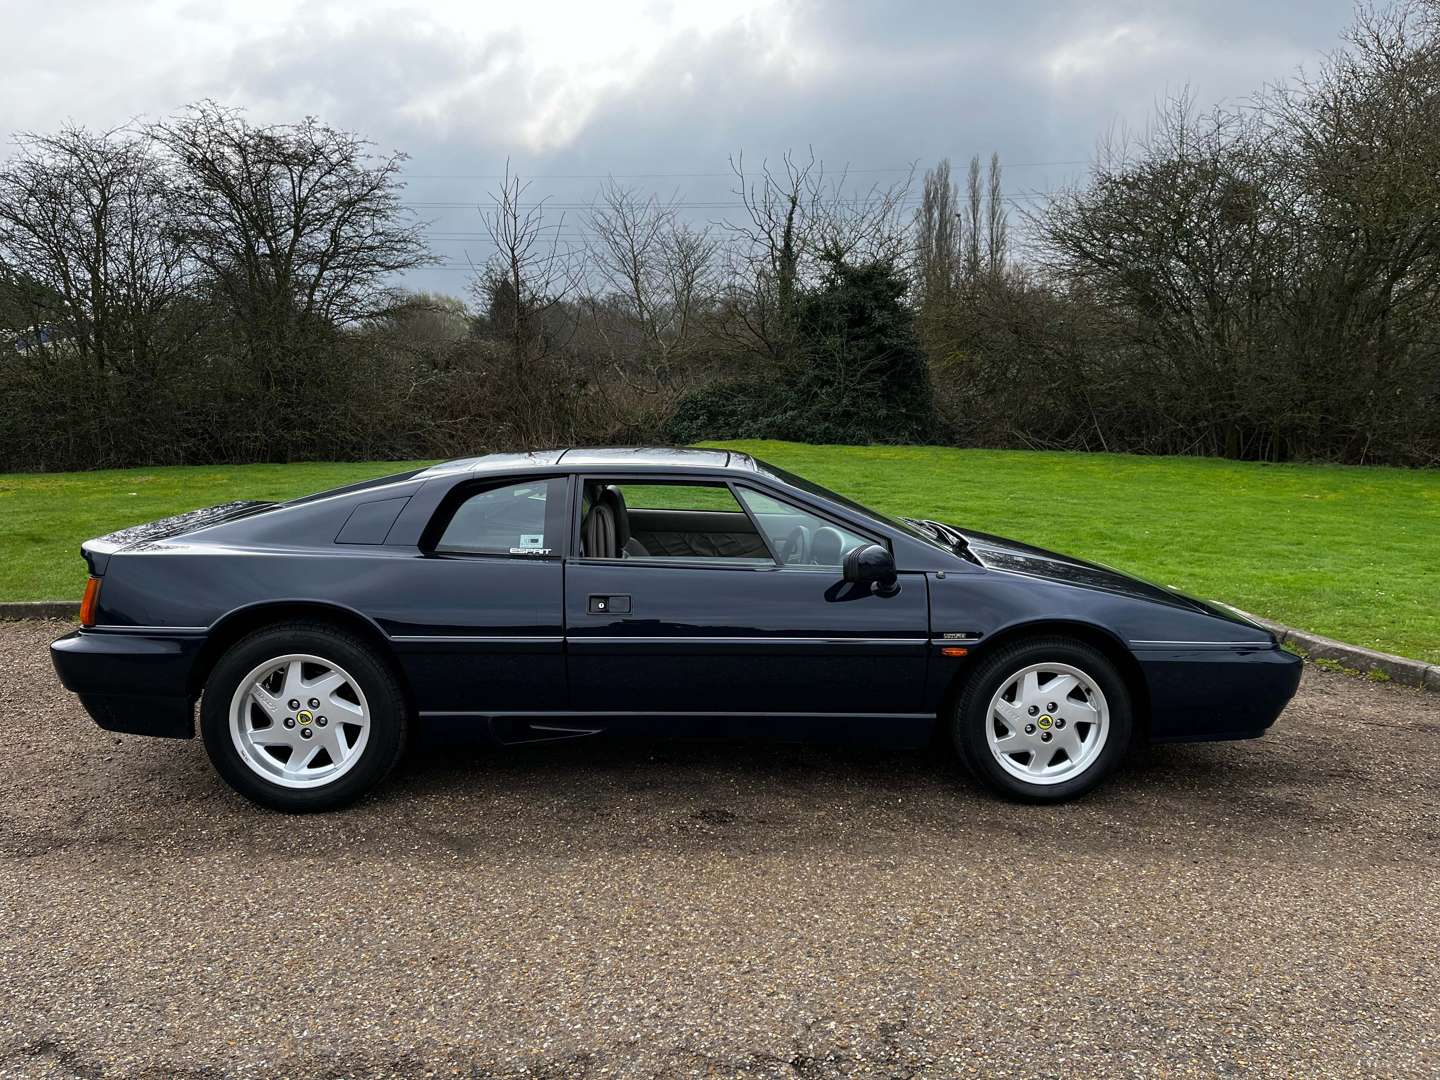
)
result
[(825, 547), (605, 529), (624, 541), (597, 532)]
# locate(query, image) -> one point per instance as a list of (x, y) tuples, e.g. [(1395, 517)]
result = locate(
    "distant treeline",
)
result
[(1261, 281)]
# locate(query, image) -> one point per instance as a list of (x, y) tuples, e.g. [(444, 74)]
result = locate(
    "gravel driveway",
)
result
[(1265, 908)]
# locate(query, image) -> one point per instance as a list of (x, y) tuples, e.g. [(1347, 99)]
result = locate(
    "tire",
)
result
[(1093, 720), (303, 759)]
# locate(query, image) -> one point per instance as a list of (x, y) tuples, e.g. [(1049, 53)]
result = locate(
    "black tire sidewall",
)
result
[(382, 695), (971, 717)]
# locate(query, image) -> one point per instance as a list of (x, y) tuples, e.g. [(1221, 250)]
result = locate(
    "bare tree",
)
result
[(85, 255), (528, 278), (1173, 230), (294, 225), (939, 236), (1357, 155), (997, 222), (974, 221), (426, 329), (690, 274), (528, 290), (766, 251), (798, 222), (862, 226), (657, 274)]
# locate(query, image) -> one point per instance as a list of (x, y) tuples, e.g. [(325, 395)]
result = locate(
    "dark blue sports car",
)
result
[(564, 593)]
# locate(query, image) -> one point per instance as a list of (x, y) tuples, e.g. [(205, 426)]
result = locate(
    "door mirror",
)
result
[(872, 564)]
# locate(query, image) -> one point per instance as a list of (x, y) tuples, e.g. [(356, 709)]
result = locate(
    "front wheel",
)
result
[(1043, 720), (303, 717)]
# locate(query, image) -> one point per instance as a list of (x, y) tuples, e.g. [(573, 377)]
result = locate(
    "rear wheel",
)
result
[(303, 717), (1043, 720)]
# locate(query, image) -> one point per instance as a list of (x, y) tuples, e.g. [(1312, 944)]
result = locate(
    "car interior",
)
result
[(704, 522)]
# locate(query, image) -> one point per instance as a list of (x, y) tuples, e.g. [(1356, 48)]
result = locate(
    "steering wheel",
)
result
[(795, 548)]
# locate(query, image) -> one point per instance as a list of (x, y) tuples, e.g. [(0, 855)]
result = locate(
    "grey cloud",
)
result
[(877, 85)]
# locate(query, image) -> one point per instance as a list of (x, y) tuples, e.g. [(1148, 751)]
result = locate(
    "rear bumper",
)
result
[(132, 683), (1199, 694)]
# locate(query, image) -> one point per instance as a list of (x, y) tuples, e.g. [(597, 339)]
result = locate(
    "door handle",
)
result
[(608, 605)]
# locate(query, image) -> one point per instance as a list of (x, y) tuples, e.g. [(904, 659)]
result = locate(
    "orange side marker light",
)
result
[(90, 601), (951, 650)]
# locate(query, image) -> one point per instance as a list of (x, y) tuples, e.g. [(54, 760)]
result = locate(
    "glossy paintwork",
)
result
[(990, 601), (510, 641), (776, 639)]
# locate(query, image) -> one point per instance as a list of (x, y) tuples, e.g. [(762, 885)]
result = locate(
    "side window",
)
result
[(679, 497), (623, 519), (798, 536), (518, 519)]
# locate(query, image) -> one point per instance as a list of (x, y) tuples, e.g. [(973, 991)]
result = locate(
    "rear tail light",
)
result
[(90, 602)]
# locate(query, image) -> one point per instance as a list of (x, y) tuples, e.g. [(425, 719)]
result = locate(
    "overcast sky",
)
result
[(572, 89)]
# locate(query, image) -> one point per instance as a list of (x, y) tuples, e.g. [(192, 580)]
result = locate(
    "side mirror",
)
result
[(872, 565)]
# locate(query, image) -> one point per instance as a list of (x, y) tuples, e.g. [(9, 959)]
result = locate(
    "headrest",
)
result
[(611, 497)]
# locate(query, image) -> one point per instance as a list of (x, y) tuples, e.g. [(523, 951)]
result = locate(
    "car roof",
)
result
[(629, 457)]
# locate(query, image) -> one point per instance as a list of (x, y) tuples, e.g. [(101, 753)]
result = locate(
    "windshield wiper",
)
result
[(926, 527), (945, 534)]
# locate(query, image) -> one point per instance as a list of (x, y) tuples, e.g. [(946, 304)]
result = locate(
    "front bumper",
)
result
[(135, 683), (1217, 693)]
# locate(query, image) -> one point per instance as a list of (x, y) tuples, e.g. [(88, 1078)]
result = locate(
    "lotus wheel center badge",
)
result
[(305, 716), (1044, 722)]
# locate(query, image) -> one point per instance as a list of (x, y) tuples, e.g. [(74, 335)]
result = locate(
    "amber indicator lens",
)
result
[(90, 602), (951, 650)]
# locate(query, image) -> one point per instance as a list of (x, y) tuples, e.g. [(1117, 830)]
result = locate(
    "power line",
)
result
[(696, 175), (913, 200)]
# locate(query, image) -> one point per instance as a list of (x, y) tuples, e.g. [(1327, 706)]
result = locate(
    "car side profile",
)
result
[(559, 594)]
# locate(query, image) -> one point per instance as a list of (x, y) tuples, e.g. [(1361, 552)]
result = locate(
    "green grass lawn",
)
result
[(45, 516), (1353, 553)]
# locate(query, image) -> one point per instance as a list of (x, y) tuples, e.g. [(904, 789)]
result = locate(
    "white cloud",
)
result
[(1097, 54)]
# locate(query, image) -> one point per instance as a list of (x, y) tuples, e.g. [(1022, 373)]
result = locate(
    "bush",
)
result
[(859, 375)]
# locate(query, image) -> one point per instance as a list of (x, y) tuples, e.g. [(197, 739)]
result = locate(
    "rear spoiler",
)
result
[(97, 552)]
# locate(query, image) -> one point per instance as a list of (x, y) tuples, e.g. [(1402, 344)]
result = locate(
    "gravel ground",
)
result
[(1251, 909)]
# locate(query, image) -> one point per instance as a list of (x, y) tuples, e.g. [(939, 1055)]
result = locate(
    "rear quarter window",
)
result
[(524, 520)]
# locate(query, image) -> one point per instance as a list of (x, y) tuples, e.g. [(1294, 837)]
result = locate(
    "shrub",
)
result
[(858, 376)]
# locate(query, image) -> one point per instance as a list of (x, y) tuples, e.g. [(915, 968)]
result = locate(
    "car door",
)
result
[(713, 623), (477, 619)]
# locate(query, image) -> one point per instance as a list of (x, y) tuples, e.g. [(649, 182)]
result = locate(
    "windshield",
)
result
[(777, 473)]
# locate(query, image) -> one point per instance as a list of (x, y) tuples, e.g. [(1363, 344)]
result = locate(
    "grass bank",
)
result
[(45, 516), (1349, 552), (1353, 553)]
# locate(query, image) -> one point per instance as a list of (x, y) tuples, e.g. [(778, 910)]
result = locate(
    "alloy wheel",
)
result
[(1047, 723), (300, 721)]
